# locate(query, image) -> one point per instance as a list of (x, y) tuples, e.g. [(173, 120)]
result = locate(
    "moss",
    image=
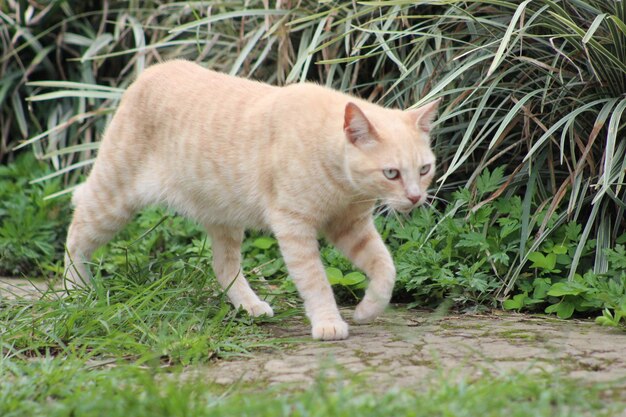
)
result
[(521, 334)]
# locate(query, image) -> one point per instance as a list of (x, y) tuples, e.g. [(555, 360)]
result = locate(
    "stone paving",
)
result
[(11, 288), (403, 348)]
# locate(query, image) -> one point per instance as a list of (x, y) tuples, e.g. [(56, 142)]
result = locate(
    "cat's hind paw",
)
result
[(367, 311), (330, 330)]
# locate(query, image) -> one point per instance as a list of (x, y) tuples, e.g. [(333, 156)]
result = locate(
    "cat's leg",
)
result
[(298, 245), (359, 240), (99, 213), (226, 244)]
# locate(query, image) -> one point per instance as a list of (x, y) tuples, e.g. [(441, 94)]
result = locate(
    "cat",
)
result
[(233, 154)]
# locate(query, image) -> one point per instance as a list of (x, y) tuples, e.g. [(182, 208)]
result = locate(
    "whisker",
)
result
[(434, 197), (382, 212), (395, 214), (367, 200)]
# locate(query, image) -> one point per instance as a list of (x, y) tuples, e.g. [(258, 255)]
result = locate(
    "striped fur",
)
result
[(233, 154)]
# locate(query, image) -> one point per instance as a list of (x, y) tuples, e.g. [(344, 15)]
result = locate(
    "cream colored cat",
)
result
[(234, 154)]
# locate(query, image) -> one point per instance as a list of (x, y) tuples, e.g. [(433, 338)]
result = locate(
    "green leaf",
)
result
[(56, 95), (499, 56), (559, 249), (99, 43), (617, 257), (515, 303), (473, 240), (500, 257), (541, 261), (264, 242), (607, 319), (488, 182), (573, 231), (226, 16), (20, 115), (565, 260), (563, 310), (353, 278), (541, 287), (334, 275), (561, 289), (508, 226), (604, 321)]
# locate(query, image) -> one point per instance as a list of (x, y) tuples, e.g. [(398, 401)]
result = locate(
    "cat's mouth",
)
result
[(402, 208), (407, 210), (405, 207)]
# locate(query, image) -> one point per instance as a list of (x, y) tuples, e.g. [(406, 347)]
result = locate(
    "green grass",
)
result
[(53, 387), (146, 307), (171, 319)]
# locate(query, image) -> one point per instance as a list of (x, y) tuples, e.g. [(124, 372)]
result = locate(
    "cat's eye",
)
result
[(425, 169), (391, 174)]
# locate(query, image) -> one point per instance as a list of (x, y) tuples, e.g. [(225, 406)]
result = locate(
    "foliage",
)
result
[(31, 228), (465, 253)]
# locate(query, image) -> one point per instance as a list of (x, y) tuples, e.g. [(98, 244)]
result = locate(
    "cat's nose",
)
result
[(414, 198)]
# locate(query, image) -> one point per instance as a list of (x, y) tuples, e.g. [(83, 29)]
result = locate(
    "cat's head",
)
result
[(388, 154)]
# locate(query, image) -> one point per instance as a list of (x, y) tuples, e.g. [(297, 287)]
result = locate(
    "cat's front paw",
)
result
[(330, 330), (258, 309), (367, 311)]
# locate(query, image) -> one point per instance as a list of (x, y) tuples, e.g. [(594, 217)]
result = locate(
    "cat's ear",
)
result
[(358, 129), (424, 116)]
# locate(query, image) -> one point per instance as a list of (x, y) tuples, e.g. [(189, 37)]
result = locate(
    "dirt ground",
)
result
[(404, 348)]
